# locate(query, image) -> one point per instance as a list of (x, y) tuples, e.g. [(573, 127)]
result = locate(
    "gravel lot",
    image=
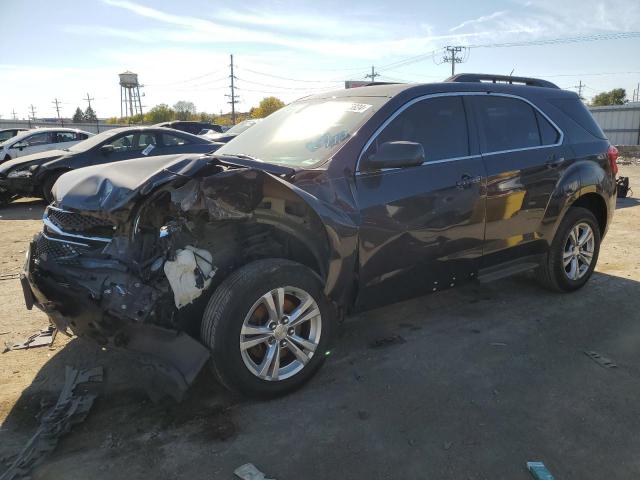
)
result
[(478, 381)]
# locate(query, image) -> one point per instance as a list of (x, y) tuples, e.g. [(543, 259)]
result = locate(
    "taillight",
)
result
[(612, 153)]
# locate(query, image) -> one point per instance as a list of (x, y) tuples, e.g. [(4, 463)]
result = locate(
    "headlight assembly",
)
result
[(20, 174)]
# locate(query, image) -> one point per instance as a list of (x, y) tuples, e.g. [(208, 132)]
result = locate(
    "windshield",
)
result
[(92, 141), (6, 135), (304, 133)]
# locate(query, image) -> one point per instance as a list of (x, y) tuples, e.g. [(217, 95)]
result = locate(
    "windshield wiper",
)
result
[(241, 155)]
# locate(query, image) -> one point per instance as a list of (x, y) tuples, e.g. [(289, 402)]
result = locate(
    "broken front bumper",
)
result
[(98, 299)]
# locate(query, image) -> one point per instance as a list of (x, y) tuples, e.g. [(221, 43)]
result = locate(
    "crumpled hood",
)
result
[(34, 158), (111, 185)]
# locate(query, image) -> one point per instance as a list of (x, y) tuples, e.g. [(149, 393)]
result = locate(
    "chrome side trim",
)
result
[(54, 228), (458, 94)]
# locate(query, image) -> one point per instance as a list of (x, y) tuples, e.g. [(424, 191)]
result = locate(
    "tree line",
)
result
[(184, 110)]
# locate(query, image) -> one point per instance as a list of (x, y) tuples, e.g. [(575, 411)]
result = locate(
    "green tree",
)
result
[(160, 113), (184, 110), (267, 106), (78, 117), (89, 115), (617, 96)]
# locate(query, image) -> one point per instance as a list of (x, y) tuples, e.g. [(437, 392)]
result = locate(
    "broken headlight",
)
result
[(23, 173)]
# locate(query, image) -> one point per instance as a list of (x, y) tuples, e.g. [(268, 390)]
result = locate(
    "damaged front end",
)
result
[(129, 258)]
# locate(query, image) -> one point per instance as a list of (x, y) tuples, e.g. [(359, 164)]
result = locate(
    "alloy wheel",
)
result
[(578, 251), (280, 333)]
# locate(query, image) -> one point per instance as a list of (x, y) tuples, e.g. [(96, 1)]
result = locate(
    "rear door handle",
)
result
[(554, 162), (466, 181)]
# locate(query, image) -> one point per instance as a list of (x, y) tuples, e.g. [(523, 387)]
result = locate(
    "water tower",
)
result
[(130, 103)]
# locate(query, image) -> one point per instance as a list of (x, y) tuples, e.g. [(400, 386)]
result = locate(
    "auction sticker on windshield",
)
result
[(358, 107)]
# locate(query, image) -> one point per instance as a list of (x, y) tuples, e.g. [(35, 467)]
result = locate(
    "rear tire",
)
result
[(573, 254), (284, 354)]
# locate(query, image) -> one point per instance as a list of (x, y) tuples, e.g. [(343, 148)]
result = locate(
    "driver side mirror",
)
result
[(106, 149), (398, 154)]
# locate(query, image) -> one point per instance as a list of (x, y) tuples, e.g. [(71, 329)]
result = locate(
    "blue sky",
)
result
[(65, 49)]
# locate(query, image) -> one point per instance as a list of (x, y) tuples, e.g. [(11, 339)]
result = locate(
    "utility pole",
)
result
[(580, 86), (233, 97), (88, 99), (14, 114), (33, 114), (56, 102), (452, 57), (373, 74)]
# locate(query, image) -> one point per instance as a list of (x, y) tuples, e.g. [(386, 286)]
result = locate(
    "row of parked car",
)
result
[(339, 202), (32, 160)]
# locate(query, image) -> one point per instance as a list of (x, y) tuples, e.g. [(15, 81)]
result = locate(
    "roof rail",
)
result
[(485, 77)]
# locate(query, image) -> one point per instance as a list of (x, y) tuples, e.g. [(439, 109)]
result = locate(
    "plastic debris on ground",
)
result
[(72, 407), (248, 471), (600, 360), (41, 339), (539, 471)]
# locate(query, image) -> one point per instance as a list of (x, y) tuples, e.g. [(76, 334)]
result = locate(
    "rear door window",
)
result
[(62, 137), (439, 124), (169, 140), (123, 143), (506, 123)]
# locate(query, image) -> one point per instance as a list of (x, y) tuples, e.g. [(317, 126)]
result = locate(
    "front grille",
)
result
[(76, 223), (58, 251)]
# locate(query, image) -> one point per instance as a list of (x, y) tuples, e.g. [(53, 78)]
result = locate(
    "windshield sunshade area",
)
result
[(305, 133)]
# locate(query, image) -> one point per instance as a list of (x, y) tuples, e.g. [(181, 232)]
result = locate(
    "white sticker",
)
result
[(147, 150), (358, 107)]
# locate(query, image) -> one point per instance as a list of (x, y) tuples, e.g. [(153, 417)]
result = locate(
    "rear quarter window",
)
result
[(576, 111)]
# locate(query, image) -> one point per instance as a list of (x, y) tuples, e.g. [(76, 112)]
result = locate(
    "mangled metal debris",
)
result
[(43, 338), (72, 407), (248, 471)]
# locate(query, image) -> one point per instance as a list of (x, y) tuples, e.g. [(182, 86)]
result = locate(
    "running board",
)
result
[(507, 269)]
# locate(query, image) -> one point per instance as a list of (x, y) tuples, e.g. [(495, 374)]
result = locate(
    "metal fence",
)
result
[(620, 123), (87, 127)]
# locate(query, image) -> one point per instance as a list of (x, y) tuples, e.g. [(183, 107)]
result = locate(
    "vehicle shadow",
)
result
[(28, 209), (508, 355), (627, 202)]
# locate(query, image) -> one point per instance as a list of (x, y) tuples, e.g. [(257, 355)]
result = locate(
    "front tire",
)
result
[(573, 254), (47, 186), (268, 326)]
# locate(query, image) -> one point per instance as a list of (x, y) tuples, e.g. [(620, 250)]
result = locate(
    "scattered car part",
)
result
[(189, 274), (43, 338), (539, 471), (73, 405), (600, 360), (249, 471), (623, 189)]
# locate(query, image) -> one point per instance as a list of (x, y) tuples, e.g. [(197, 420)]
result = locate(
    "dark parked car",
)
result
[(7, 133), (191, 127), (34, 175), (338, 202), (233, 132)]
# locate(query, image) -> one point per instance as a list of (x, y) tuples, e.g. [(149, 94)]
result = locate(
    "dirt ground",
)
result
[(472, 383)]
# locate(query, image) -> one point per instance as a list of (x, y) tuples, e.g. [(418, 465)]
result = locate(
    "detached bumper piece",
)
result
[(72, 407), (94, 296)]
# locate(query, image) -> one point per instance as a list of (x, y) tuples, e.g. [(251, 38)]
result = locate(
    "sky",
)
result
[(66, 49)]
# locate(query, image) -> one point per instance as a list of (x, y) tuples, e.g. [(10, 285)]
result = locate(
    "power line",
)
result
[(284, 88), (186, 80), (560, 40), (288, 78)]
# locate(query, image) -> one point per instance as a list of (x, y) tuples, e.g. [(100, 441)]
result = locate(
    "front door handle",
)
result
[(466, 181)]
